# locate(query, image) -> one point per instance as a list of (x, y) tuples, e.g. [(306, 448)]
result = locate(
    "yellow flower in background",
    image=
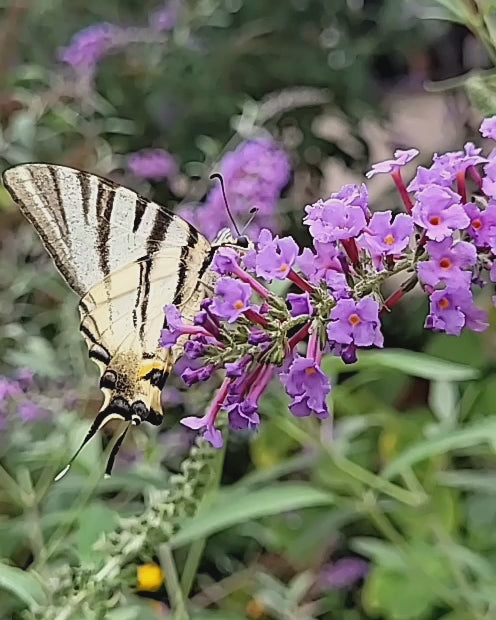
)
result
[(150, 578)]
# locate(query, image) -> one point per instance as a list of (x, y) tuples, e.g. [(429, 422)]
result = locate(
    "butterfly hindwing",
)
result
[(126, 257)]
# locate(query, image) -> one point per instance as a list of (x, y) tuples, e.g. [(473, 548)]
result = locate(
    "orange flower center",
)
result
[(310, 371), (238, 305), (435, 220), (355, 320), (445, 263), (477, 224), (389, 240), (444, 303), (283, 268)]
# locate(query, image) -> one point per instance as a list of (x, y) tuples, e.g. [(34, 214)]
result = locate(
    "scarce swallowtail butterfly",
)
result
[(126, 257)]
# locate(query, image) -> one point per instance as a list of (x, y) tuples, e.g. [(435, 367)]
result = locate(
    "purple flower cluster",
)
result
[(153, 164), (445, 243), (254, 175)]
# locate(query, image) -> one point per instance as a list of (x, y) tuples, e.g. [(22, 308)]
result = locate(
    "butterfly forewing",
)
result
[(127, 258)]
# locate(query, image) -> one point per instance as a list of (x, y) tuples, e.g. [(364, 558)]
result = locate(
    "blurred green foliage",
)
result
[(403, 480)]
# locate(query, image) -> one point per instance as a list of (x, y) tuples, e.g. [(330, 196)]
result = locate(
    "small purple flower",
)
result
[(332, 220), (308, 386), (488, 128), (383, 237), (243, 415), (426, 177), (489, 180), (439, 211), (325, 266), (153, 164), (343, 573), (482, 224), (401, 158), (447, 261), (300, 304), (88, 46), (195, 348), (356, 322), (239, 368), (354, 195), (453, 309), (232, 299), (274, 257), (176, 328), (225, 261), (455, 162), (190, 376), (210, 434)]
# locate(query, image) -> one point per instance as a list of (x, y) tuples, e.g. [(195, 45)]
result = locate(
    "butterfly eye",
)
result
[(108, 380)]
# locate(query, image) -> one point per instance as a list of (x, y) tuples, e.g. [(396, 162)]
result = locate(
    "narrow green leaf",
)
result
[(443, 400), (380, 552), (22, 584), (234, 507), (407, 362), (468, 480), (481, 433)]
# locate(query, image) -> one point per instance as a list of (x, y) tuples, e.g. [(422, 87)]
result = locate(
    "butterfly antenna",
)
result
[(218, 176), (253, 215)]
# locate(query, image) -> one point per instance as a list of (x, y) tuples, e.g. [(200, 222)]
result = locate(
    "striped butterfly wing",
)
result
[(126, 257)]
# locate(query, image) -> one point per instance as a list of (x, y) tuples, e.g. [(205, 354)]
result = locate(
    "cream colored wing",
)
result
[(127, 258)]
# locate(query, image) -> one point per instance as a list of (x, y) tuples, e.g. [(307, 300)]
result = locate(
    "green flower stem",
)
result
[(172, 583), (196, 549)]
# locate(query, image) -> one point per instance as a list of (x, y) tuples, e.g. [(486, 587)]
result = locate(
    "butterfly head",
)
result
[(226, 238)]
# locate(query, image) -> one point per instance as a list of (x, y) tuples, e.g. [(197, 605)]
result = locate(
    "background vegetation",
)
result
[(388, 513)]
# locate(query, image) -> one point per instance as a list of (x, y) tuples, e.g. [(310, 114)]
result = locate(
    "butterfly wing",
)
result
[(126, 257)]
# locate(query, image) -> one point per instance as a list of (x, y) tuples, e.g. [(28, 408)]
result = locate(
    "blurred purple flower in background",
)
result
[(87, 47), (254, 175), (343, 573), (165, 18), (153, 164)]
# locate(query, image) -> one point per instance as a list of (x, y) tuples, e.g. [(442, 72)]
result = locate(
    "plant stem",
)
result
[(172, 583), (196, 549)]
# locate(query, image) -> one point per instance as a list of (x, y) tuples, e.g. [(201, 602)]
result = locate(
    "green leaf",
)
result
[(467, 437), (380, 552), (443, 400), (396, 596), (481, 91), (407, 362), (93, 521), (22, 584), (234, 507), (468, 480)]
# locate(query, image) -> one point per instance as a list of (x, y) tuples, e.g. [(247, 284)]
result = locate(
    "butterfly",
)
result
[(126, 257)]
